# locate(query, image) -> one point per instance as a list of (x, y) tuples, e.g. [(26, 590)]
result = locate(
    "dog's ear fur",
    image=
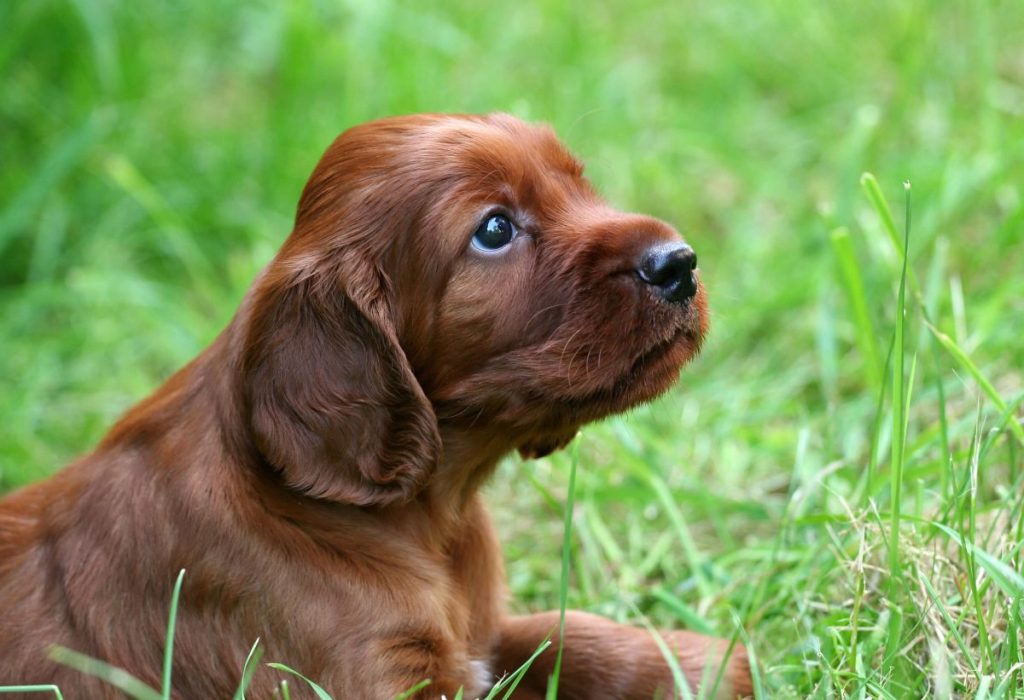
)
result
[(332, 401)]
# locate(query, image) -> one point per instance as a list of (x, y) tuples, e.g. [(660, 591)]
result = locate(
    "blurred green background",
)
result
[(152, 153)]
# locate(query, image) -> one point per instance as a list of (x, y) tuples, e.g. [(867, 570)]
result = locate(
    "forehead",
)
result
[(500, 156)]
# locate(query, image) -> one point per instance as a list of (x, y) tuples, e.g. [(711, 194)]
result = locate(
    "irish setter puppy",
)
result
[(453, 290)]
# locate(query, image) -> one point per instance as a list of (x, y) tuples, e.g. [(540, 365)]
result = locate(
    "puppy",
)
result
[(453, 289)]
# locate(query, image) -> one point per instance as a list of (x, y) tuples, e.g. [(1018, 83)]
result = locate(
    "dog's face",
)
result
[(508, 294), (540, 316)]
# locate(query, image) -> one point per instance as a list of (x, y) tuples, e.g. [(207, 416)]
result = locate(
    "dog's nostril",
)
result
[(670, 268)]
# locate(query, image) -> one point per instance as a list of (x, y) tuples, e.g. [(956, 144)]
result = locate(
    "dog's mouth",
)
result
[(660, 350), (652, 373), (685, 332), (674, 336)]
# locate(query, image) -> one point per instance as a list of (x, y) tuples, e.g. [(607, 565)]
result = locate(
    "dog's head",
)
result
[(461, 269)]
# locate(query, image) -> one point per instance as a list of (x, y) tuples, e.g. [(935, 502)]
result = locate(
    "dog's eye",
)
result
[(494, 233)]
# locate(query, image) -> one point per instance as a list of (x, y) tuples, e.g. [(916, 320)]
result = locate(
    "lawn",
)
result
[(839, 480)]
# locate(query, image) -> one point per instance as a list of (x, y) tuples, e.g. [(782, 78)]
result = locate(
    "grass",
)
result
[(845, 497)]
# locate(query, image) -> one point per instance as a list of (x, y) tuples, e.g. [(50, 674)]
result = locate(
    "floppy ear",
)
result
[(332, 401)]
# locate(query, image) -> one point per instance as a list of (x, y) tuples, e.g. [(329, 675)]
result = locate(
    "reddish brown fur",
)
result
[(316, 469)]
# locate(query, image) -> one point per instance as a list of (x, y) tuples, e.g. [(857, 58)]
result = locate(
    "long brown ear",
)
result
[(331, 399)]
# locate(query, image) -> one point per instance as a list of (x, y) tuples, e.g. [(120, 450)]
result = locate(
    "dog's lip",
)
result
[(683, 321), (655, 364), (663, 347)]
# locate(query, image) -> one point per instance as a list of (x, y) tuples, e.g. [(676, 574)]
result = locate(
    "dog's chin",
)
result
[(550, 441), (656, 369), (649, 376), (653, 373)]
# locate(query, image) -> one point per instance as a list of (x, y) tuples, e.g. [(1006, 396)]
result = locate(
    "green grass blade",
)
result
[(690, 618), (1009, 581), (320, 692), (32, 689), (954, 630), (563, 590), (252, 661), (947, 452), (1015, 635), (603, 536), (678, 520), (678, 677), (856, 296), (756, 675), (120, 679), (874, 194), (720, 671), (899, 432), (511, 682), (172, 619), (970, 558), (405, 695), (869, 184), (1001, 690), (964, 360), (983, 689)]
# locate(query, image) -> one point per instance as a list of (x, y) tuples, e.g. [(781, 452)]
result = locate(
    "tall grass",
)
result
[(837, 481)]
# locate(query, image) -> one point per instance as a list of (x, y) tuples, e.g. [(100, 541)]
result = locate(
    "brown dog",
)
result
[(453, 289)]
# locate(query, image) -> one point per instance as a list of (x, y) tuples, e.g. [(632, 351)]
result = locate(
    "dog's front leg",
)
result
[(603, 659)]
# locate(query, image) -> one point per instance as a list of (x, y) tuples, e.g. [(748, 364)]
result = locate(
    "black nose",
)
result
[(669, 268)]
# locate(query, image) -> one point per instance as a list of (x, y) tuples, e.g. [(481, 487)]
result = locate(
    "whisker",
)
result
[(546, 308)]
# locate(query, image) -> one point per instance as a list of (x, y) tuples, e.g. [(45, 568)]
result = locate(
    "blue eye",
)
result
[(494, 233)]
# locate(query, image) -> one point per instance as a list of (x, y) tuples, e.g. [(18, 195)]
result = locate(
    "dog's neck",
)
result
[(469, 457)]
